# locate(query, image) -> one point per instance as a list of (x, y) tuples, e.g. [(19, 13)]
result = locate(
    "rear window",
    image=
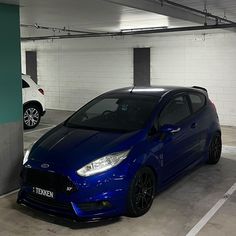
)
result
[(198, 101), (25, 84)]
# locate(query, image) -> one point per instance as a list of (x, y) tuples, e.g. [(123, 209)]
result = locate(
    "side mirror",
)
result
[(172, 129)]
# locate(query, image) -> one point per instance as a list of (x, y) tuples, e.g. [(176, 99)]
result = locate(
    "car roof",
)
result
[(27, 78), (158, 91)]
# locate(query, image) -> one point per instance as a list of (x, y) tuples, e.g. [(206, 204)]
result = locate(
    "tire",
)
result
[(141, 193), (215, 148), (31, 116)]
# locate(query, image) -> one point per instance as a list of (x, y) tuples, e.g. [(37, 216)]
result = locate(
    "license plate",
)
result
[(43, 192)]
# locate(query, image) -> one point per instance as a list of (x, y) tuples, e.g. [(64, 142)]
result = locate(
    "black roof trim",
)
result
[(154, 90)]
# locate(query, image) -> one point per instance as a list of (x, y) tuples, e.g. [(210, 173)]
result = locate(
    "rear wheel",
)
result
[(141, 193), (31, 116), (215, 149)]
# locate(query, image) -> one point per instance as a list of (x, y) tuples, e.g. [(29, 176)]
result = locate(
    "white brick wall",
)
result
[(208, 61), (76, 70), (73, 72)]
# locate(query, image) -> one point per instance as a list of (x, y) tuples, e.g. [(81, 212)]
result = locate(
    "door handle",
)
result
[(194, 125), (174, 131)]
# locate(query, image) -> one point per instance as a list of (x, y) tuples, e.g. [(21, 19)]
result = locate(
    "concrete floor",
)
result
[(174, 212)]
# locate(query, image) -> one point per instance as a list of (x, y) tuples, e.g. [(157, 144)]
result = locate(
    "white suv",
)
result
[(33, 102)]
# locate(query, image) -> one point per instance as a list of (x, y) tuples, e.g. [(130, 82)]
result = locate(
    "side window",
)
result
[(175, 111), (24, 84), (198, 101)]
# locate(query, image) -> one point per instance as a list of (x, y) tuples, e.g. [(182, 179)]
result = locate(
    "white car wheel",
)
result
[(31, 116)]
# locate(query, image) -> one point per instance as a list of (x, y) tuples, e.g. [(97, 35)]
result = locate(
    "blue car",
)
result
[(112, 156)]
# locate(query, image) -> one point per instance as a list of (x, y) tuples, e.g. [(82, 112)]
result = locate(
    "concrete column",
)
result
[(11, 129)]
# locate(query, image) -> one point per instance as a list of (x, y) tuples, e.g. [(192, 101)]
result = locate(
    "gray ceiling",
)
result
[(105, 15), (218, 7)]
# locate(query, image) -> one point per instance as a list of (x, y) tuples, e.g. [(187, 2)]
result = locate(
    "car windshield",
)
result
[(123, 113)]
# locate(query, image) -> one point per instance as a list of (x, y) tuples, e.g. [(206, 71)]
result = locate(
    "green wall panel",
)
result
[(10, 65)]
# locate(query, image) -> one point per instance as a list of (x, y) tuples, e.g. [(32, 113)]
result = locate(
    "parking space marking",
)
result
[(37, 130), (43, 123), (196, 229), (229, 149)]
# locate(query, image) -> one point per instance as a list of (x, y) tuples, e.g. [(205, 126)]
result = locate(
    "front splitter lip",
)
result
[(72, 218), (67, 209)]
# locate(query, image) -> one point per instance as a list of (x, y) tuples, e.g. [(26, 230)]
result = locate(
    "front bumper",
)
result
[(95, 197)]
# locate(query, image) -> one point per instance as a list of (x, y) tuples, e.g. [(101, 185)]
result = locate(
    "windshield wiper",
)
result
[(96, 128), (78, 126)]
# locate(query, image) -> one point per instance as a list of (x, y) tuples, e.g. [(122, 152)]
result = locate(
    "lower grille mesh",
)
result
[(49, 203)]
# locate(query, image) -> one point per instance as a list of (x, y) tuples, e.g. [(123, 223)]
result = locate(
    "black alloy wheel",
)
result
[(142, 192), (215, 149)]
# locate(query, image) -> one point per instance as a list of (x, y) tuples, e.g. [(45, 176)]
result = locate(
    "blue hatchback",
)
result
[(112, 156)]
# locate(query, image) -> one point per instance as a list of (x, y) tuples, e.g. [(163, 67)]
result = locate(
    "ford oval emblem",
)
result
[(44, 165)]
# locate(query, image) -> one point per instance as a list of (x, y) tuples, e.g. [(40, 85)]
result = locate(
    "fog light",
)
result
[(91, 206), (106, 204)]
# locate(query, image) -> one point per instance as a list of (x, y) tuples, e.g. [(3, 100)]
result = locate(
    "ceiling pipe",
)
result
[(36, 26), (132, 32), (218, 19)]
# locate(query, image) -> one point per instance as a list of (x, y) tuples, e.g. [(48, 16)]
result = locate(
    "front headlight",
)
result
[(102, 164), (26, 156)]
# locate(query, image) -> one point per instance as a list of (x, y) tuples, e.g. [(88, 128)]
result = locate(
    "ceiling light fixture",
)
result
[(142, 29)]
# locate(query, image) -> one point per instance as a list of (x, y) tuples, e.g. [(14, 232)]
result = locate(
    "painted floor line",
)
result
[(47, 124), (37, 130), (228, 149), (196, 229), (8, 194)]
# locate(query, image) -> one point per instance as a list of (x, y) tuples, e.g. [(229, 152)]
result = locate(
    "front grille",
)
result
[(47, 180), (48, 203)]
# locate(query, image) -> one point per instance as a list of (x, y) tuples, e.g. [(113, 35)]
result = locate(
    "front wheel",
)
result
[(215, 149), (31, 116), (141, 193)]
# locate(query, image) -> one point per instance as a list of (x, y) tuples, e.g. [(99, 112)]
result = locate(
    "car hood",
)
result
[(74, 147)]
